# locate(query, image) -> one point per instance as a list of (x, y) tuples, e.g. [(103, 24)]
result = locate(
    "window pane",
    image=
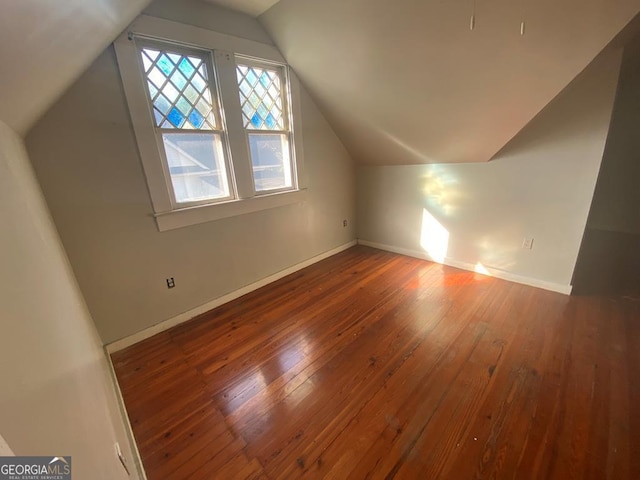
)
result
[(271, 161), (178, 89), (260, 91), (196, 165)]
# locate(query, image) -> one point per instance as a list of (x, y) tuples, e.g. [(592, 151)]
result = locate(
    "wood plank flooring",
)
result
[(371, 365)]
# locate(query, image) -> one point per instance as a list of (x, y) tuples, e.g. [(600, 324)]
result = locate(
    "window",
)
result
[(187, 122), (214, 121), (265, 121)]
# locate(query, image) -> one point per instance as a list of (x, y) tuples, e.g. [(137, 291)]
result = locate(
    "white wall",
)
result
[(86, 159), (57, 397), (539, 186)]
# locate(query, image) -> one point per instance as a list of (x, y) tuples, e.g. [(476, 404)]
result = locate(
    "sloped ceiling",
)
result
[(250, 7), (46, 44), (407, 81)]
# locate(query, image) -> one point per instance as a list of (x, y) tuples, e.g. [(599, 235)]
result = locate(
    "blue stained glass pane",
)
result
[(165, 64), (176, 117), (265, 80), (252, 78), (256, 120), (270, 121), (186, 67), (162, 104), (196, 119)]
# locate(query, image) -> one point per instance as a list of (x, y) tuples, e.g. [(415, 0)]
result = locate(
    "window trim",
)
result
[(287, 116), (225, 48), (144, 41)]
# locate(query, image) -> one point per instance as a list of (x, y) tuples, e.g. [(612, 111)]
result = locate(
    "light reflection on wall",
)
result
[(440, 190), (434, 237), (479, 268), (495, 252)]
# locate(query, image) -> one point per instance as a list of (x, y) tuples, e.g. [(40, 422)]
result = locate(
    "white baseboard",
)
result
[(493, 272), (137, 459), (188, 315)]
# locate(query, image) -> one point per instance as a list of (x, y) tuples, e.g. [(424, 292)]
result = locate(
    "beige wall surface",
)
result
[(539, 186), (57, 396), (86, 159), (199, 14)]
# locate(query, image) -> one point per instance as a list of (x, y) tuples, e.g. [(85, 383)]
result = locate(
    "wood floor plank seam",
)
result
[(370, 364)]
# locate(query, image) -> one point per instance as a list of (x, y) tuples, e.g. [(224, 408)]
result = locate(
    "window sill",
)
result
[(207, 213)]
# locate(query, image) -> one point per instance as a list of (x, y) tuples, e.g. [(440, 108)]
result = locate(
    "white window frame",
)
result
[(169, 193), (244, 199), (288, 120)]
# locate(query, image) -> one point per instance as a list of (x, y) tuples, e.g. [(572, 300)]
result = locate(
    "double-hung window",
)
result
[(214, 121), (265, 118), (183, 101)]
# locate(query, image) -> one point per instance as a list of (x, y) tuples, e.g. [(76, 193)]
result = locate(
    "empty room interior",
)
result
[(276, 239)]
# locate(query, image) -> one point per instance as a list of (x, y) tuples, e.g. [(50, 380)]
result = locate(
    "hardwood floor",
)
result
[(375, 365)]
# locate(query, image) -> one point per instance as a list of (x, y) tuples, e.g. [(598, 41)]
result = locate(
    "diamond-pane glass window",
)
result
[(178, 87), (261, 97), (261, 88), (215, 126)]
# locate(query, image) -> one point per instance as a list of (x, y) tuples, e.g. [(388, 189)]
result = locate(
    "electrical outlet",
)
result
[(171, 282), (120, 456), (345, 223), (527, 243)]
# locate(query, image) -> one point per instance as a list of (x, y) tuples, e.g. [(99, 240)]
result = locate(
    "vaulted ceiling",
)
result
[(401, 81), (250, 7), (45, 45), (406, 82)]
